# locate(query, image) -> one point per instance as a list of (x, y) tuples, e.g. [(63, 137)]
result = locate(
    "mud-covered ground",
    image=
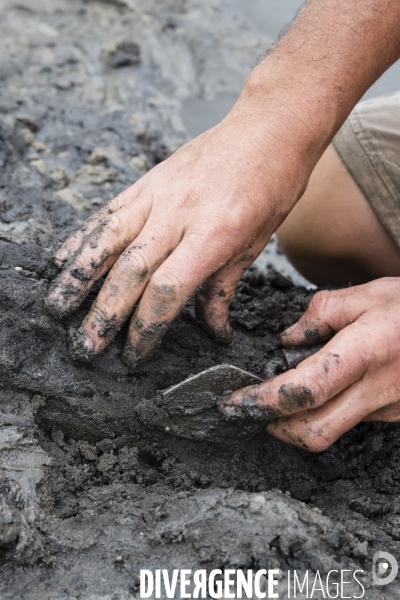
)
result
[(90, 491)]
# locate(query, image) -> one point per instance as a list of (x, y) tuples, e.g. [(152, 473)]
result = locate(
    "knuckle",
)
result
[(317, 381), (321, 384), (115, 225), (114, 204), (133, 265), (319, 301), (317, 442), (166, 283), (319, 304)]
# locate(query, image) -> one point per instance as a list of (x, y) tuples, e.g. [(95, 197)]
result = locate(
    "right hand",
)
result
[(198, 219)]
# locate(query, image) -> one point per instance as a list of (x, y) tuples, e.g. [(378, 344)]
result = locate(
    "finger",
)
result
[(75, 241), (328, 313), (169, 288), (316, 430), (121, 290), (387, 414), (341, 363), (214, 298), (96, 256)]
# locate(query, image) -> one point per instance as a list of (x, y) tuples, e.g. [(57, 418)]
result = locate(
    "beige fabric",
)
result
[(369, 145)]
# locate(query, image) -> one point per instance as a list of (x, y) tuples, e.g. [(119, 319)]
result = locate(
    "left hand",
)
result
[(355, 377)]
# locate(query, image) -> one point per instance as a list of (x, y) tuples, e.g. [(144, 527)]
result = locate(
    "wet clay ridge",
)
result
[(91, 490)]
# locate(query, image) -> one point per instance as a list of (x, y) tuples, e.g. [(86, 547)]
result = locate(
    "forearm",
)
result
[(321, 68)]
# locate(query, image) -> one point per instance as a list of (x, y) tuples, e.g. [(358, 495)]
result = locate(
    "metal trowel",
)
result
[(190, 409)]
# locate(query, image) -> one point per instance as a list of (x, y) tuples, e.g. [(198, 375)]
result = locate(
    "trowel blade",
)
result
[(203, 390), (190, 408)]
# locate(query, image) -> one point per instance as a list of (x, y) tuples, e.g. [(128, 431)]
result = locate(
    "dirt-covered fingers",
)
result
[(316, 430), (332, 311), (327, 313), (121, 291), (101, 248), (214, 298), (169, 288), (78, 238), (342, 362)]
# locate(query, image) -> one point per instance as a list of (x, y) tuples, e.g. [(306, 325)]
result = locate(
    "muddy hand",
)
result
[(355, 377), (198, 219)]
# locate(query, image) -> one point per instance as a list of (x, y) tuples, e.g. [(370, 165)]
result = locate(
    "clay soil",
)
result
[(90, 490)]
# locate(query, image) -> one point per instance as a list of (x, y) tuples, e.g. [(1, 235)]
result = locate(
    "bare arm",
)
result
[(201, 217), (318, 72)]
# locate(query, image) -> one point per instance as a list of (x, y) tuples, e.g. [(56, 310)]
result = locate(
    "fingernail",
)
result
[(289, 330), (81, 345)]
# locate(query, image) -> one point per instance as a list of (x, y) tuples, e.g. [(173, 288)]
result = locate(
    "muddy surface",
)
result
[(91, 491), (87, 479)]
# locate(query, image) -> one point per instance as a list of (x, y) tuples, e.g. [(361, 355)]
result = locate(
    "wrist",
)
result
[(299, 110)]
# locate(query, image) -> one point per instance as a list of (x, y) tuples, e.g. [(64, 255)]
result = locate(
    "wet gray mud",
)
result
[(91, 491)]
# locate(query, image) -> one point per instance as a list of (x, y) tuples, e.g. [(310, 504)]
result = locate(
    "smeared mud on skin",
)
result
[(95, 265), (77, 345), (137, 275), (150, 336), (61, 306), (108, 328), (60, 263), (312, 334), (326, 363), (293, 397), (80, 274), (150, 340), (164, 299), (249, 410), (114, 290)]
